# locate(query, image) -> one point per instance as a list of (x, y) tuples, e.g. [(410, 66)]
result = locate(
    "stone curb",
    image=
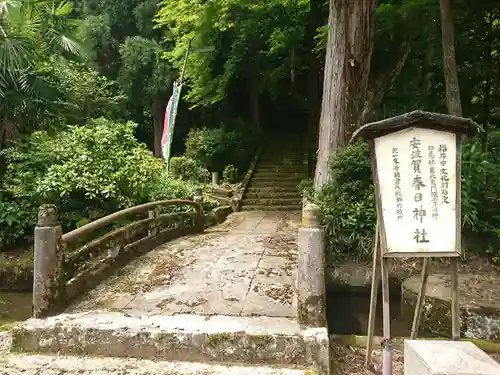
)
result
[(183, 337), (238, 197)]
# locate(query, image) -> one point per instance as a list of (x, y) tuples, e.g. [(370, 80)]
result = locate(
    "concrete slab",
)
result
[(426, 357), (212, 273), (71, 365)]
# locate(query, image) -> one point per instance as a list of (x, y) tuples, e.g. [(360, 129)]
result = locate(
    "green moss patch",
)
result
[(16, 271)]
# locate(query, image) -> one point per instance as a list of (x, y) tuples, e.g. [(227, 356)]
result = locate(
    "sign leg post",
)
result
[(386, 309), (455, 301), (373, 297), (420, 300)]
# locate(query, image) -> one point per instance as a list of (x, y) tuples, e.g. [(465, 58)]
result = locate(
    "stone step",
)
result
[(272, 195), (290, 186), (278, 174), (273, 179), (271, 189), (32, 364), (272, 202), (272, 208), (279, 163), (182, 337)]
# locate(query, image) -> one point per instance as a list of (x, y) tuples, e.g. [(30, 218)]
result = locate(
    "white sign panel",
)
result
[(417, 180)]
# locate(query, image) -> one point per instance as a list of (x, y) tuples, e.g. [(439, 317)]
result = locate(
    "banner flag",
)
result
[(169, 122)]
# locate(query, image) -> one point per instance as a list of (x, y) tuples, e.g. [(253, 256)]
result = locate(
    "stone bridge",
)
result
[(211, 300)]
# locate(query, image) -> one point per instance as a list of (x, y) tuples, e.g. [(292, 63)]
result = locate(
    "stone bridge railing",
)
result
[(67, 265)]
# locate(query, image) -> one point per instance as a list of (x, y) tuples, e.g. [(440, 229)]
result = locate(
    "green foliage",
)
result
[(88, 171), (306, 187), (481, 198), (188, 169), (32, 32), (17, 219), (215, 148), (83, 91), (347, 204), (230, 174)]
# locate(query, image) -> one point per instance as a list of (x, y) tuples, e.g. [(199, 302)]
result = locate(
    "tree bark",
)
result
[(485, 118), (453, 101), (347, 67)]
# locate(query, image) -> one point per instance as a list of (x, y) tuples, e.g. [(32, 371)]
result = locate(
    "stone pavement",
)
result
[(243, 267)]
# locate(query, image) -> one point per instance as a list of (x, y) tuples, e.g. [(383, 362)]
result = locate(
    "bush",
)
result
[(87, 171), (230, 174), (188, 169), (215, 148), (348, 205)]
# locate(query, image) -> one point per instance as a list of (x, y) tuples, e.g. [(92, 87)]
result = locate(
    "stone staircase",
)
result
[(274, 183)]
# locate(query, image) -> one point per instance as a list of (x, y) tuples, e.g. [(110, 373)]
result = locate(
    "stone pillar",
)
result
[(235, 204), (46, 260), (215, 178), (154, 225), (198, 198), (311, 294)]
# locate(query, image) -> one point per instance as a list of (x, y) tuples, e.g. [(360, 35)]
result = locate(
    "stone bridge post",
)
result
[(311, 293), (46, 260), (198, 198)]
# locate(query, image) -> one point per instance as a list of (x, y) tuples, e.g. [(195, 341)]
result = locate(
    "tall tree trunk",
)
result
[(347, 67), (158, 127), (485, 118), (453, 101)]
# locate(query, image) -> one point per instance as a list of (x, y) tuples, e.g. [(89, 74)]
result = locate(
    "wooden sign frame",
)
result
[(381, 257)]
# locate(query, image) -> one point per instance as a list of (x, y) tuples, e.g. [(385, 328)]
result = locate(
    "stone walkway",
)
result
[(243, 267)]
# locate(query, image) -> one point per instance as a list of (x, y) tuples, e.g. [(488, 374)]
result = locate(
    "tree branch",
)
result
[(379, 85)]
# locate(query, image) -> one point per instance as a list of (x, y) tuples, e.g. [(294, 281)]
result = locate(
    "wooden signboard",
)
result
[(416, 175), (418, 192)]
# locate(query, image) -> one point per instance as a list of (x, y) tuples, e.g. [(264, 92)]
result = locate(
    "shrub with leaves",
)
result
[(87, 171), (230, 174), (347, 204), (188, 169), (215, 148)]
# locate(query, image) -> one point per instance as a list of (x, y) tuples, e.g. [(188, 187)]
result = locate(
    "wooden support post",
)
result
[(420, 300), (373, 297), (455, 300), (386, 309)]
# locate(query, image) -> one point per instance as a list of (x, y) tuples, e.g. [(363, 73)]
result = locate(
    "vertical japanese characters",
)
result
[(419, 213), (443, 161), (433, 181), (397, 183)]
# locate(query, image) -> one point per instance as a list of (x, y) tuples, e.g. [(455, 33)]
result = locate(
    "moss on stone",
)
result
[(164, 337), (216, 339), (260, 341)]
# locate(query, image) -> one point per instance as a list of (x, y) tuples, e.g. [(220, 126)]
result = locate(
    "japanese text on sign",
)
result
[(418, 190)]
